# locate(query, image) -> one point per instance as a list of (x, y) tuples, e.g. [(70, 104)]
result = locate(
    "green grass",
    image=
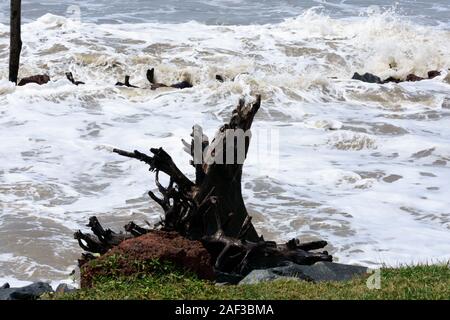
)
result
[(413, 282)]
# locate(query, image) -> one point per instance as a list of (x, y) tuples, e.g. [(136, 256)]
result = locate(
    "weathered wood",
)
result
[(224, 180), (102, 240), (212, 209), (126, 83), (155, 85), (69, 76), (15, 46), (135, 230), (161, 161)]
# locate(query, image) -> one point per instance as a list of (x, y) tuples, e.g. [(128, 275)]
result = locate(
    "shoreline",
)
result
[(411, 283), (420, 276), (14, 282)]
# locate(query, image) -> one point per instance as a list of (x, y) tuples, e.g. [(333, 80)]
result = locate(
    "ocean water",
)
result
[(375, 186)]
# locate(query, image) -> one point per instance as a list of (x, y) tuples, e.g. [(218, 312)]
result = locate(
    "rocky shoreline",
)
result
[(149, 255), (159, 252), (318, 272), (32, 291)]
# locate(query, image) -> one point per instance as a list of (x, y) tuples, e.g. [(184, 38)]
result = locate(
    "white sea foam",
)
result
[(375, 185)]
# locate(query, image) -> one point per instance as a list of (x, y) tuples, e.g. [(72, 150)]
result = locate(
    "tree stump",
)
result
[(211, 208)]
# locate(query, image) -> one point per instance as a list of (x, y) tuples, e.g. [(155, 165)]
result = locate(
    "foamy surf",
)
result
[(363, 166)]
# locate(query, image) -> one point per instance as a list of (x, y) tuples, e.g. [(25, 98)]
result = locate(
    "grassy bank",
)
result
[(417, 282)]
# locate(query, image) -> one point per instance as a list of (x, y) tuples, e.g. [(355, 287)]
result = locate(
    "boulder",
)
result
[(30, 292), (392, 79), (63, 288), (39, 79), (278, 273), (367, 77), (413, 77), (320, 271), (433, 74), (227, 278), (133, 255), (371, 78)]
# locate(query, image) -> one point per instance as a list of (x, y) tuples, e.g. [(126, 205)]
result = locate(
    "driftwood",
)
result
[(100, 242), (15, 40), (126, 83), (69, 76), (211, 208), (155, 85)]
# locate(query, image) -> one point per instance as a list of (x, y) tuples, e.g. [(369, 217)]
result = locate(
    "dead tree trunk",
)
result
[(212, 209), (15, 40)]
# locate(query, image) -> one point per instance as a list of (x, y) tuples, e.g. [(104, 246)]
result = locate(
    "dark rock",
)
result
[(433, 74), (30, 292), (258, 276), (181, 85), (412, 78), (320, 271), (370, 78), (162, 246), (228, 278), (5, 286), (392, 79), (64, 288), (329, 271), (367, 77), (288, 272), (39, 79)]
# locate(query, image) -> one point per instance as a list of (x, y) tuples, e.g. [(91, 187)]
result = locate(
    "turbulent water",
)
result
[(363, 166)]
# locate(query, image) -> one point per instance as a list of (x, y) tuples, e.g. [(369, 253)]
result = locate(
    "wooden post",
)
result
[(15, 40)]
